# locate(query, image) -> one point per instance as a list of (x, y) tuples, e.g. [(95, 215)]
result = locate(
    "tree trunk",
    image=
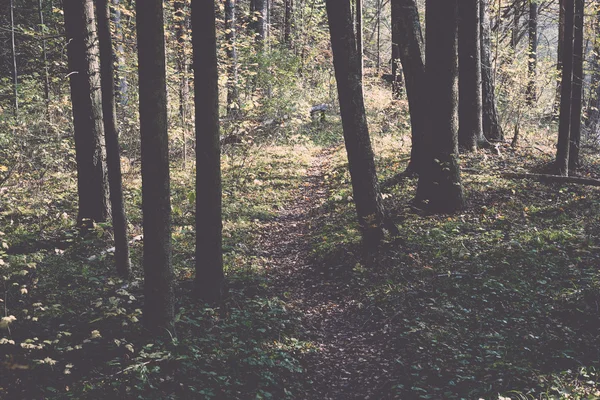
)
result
[(491, 127), (410, 51), (289, 17), (359, 36), (233, 106), (158, 309), (209, 255), (470, 134), (356, 132), (439, 178), (532, 62), (576, 95), (123, 86), (113, 158), (560, 52), (14, 59), (258, 23), (593, 107), (514, 40), (44, 56), (396, 63), (182, 66), (86, 97), (379, 6), (562, 153)]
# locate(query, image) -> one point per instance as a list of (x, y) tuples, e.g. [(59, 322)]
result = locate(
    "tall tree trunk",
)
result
[(576, 95), (86, 97), (14, 59), (491, 127), (405, 21), (359, 36), (396, 63), (532, 62), (258, 23), (209, 255), (562, 153), (439, 178), (113, 157), (560, 52), (182, 66), (158, 308), (593, 106), (470, 133), (379, 6), (367, 196), (289, 22), (515, 36), (123, 86), (233, 106), (44, 55)]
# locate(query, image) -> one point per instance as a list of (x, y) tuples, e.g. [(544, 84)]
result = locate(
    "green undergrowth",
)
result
[(73, 330), (501, 299)]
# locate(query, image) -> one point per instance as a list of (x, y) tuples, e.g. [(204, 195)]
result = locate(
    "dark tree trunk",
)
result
[(209, 256), (562, 153), (359, 36), (396, 63), (593, 107), (491, 127), (123, 86), (14, 59), (113, 158), (289, 22), (44, 55), (560, 52), (158, 308), (346, 61), (532, 62), (182, 66), (410, 51), (258, 23), (576, 95), (439, 178), (86, 96), (515, 36), (470, 133), (233, 105)]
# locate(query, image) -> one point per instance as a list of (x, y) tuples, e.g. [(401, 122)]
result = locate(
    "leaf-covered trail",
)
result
[(350, 359)]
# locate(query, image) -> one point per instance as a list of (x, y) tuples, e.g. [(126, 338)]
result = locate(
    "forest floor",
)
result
[(499, 299)]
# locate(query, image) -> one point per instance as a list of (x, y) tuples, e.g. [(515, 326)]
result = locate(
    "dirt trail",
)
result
[(351, 362)]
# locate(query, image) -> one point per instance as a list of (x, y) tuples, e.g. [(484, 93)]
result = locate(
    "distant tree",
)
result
[(258, 24), (440, 186), (123, 86), (532, 50), (233, 105), (209, 255), (491, 126), (576, 95), (42, 31), (359, 36), (564, 127), (470, 108), (156, 203), (288, 23), (86, 97), (13, 48), (113, 157), (180, 18), (592, 112), (405, 21), (346, 61)]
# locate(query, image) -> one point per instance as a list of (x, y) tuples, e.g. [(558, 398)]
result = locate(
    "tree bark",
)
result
[(576, 95), (113, 157), (258, 24), (439, 184), (560, 52), (123, 86), (14, 59), (491, 127), (233, 106), (182, 66), (593, 107), (564, 128), (470, 134), (158, 308), (359, 36), (44, 56), (289, 17), (209, 255), (410, 52), (86, 97), (367, 197), (532, 62)]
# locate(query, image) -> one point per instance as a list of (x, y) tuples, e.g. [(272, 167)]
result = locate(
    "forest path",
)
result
[(350, 360)]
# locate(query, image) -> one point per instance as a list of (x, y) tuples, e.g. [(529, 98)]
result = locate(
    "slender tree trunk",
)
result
[(379, 5), (156, 202), (491, 127), (532, 62), (514, 40), (289, 16), (367, 197), (86, 97), (113, 158), (440, 184), (470, 134), (182, 66), (233, 105), (209, 255), (562, 153), (396, 63), (593, 107), (44, 56), (259, 19), (576, 95), (560, 52), (122, 86), (410, 51), (359, 36), (14, 59)]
